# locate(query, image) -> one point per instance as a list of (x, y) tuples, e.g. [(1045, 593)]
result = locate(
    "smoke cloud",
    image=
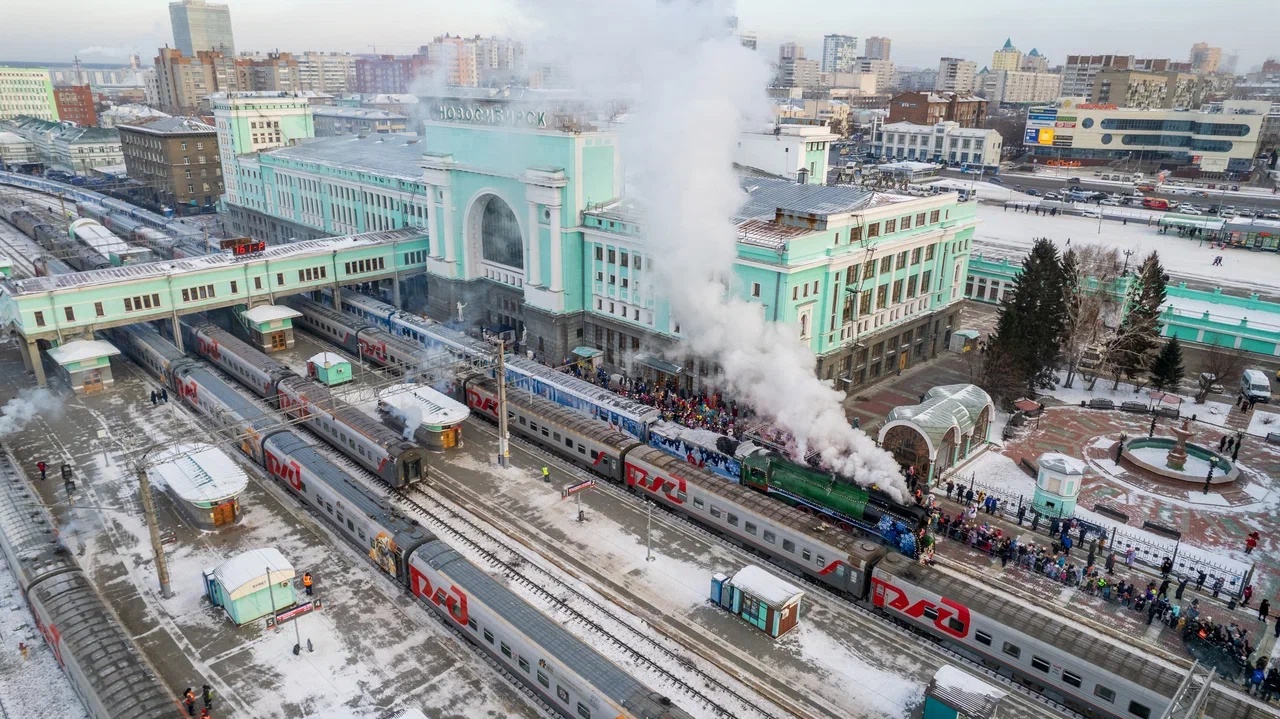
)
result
[(29, 404), (691, 88)]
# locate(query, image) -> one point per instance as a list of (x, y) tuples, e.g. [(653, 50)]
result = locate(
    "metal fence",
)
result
[(1147, 552)]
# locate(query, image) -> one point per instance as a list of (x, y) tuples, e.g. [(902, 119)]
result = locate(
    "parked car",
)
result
[(1110, 202), (1034, 192), (1018, 188), (1189, 210), (1091, 213), (1273, 215), (1246, 212), (1052, 196), (1074, 180), (995, 180)]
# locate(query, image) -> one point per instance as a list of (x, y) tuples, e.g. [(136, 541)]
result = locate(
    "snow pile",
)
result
[(1263, 423), (691, 87), (29, 404)]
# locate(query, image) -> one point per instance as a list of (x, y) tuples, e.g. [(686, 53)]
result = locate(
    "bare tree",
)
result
[(1220, 365), (1094, 299)]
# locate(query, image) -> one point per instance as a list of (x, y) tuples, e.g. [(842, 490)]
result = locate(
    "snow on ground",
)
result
[(1000, 472), (33, 687), (1263, 422), (1210, 411), (1181, 256)]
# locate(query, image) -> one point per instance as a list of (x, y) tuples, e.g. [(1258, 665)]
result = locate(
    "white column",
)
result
[(447, 216), (557, 262), (435, 225), (535, 253)]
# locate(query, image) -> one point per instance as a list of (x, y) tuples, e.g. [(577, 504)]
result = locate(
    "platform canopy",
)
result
[(249, 572), (82, 351), (200, 473), (424, 403)]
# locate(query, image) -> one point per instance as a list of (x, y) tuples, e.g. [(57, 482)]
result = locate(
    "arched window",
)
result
[(500, 239)]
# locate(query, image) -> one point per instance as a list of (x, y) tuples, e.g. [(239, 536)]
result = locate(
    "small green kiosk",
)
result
[(252, 585), (955, 694)]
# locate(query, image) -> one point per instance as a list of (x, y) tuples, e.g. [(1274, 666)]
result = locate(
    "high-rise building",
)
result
[(1008, 87), (1007, 57), (798, 72), (27, 91), (790, 51), (882, 69), (389, 73), (329, 72), (1079, 71), (1035, 62), (876, 48), (453, 60), (956, 75), (1204, 59), (75, 104), (1147, 90), (199, 25), (839, 53)]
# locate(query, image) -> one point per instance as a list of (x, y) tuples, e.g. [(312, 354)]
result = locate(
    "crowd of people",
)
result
[(697, 410)]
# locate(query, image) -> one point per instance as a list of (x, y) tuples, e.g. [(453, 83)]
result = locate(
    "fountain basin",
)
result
[(1150, 455)]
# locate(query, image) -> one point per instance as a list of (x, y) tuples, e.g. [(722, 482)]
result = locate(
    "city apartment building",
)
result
[(252, 122), (869, 281), (1080, 71), (1034, 62), (1205, 60), (1006, 58), (1008, 87), (27, 92), (1132, 88), (956, 75), (915, 80), (798, 72), (199, 25), (929, 108), (942, 142), (176, 159), (876, 48), (790, 51), (332, 121), (839, 53), (796, 148), (75, 104), (453, 61), (882, 69), (389, 73), (1221, 139), (327, 72)]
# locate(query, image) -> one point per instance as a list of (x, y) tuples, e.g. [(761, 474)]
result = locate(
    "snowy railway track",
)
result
[(920, 645), (600, 624)]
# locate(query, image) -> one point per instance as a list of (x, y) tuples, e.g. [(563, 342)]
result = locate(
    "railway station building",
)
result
[(530, 231)]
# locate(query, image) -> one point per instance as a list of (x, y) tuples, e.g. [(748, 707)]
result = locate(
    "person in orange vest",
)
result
[(306, 582), (189, 698)]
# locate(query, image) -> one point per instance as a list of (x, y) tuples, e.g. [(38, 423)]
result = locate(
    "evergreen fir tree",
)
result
[(1026, 342), (1166, 368), (1139, 332)]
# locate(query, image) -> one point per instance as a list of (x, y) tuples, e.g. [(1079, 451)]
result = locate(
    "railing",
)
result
[(1148, 552)]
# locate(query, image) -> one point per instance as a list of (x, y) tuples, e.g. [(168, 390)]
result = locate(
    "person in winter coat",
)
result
[(1251, 542), (1217, 586), (1200, 577), (1129, 555), (1246, 595), (1164, 588), (1264, 610), (1111, 563), (189, 699), (207, 692), (1182, 586)]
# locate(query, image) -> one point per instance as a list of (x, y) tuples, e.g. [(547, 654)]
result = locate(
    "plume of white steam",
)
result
[(690, 87), (29, 404)]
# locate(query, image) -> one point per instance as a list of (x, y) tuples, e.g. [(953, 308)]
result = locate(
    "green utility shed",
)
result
[(252, 585)]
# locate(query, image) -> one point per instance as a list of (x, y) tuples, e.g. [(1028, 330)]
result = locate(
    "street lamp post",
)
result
[(648, 533)]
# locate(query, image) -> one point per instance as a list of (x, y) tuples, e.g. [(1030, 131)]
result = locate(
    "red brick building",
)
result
[(75, 104), (930, 108)]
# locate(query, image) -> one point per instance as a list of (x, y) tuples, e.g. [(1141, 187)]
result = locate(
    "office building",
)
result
[(1080, 71), (1034, 62), (1222, 139), (941, 142), (876, 48), (1008, 87), (28, 92), (929, 108), (176, 160), (333, 73), (333, 121), (200, 25), (839, 53), (518, 245), (1006, 58), (795, 148), (1146, 90), (956, 75), (1205, 60), (75, 104)]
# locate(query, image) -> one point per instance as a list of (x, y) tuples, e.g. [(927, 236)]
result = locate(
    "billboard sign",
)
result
[(1046, 136)]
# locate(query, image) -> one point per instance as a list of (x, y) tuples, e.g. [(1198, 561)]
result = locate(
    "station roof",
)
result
[(399, 156), (952, 406), (248, 572), (155, 125), (269, 313), (36, 285), (431, 407), (970, 695), (764, 586), (81, 350), (356, 112), (1060, 463), (766, 196), (200, 473), (328, 359)]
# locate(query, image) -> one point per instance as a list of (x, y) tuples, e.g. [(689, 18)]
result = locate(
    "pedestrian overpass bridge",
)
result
[(60, 308)]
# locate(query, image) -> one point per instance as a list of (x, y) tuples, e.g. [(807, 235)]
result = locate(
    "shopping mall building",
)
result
[(530, 232)]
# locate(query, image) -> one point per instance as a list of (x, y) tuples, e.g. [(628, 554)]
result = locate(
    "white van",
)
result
[(1255, 385)]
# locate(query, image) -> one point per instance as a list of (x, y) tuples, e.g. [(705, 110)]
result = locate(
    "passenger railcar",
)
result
[(536, 651), (250, 367), (357, 336), (106, 668)]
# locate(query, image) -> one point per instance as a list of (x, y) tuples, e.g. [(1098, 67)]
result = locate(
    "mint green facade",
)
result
[(1259, 336)]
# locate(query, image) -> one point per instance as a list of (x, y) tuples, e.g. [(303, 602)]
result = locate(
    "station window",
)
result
[(97, 310), (933, 216), (789, 545), (1139, 710), (983, 638), (1103, 693), (1040, 664), (280, 279), (1012, 650), (488, 636), (257, 283), (71, 314), (733, 519), (1072, 679)]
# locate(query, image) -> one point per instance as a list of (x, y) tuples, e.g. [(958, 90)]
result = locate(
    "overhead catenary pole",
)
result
[(648, 533), (504, 434), (153, 528)]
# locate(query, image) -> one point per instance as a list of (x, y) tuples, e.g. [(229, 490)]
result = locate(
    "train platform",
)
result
[(368, 653)]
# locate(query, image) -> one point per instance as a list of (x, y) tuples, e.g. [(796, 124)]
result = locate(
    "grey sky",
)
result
[(922, 30)]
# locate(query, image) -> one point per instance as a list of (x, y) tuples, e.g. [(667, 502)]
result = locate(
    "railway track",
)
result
[(20, 249), (920, 645)]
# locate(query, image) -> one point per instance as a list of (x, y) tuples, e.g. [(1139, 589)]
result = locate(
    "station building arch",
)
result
[(494, 238)]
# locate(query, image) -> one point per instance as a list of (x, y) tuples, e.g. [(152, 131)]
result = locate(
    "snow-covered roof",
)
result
[(1060, 463), (972, 696), (269, 313), (423, 404), (327, 359), (948, 407), (764, 586), (247, 573), (81, 350), (200, 473)]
